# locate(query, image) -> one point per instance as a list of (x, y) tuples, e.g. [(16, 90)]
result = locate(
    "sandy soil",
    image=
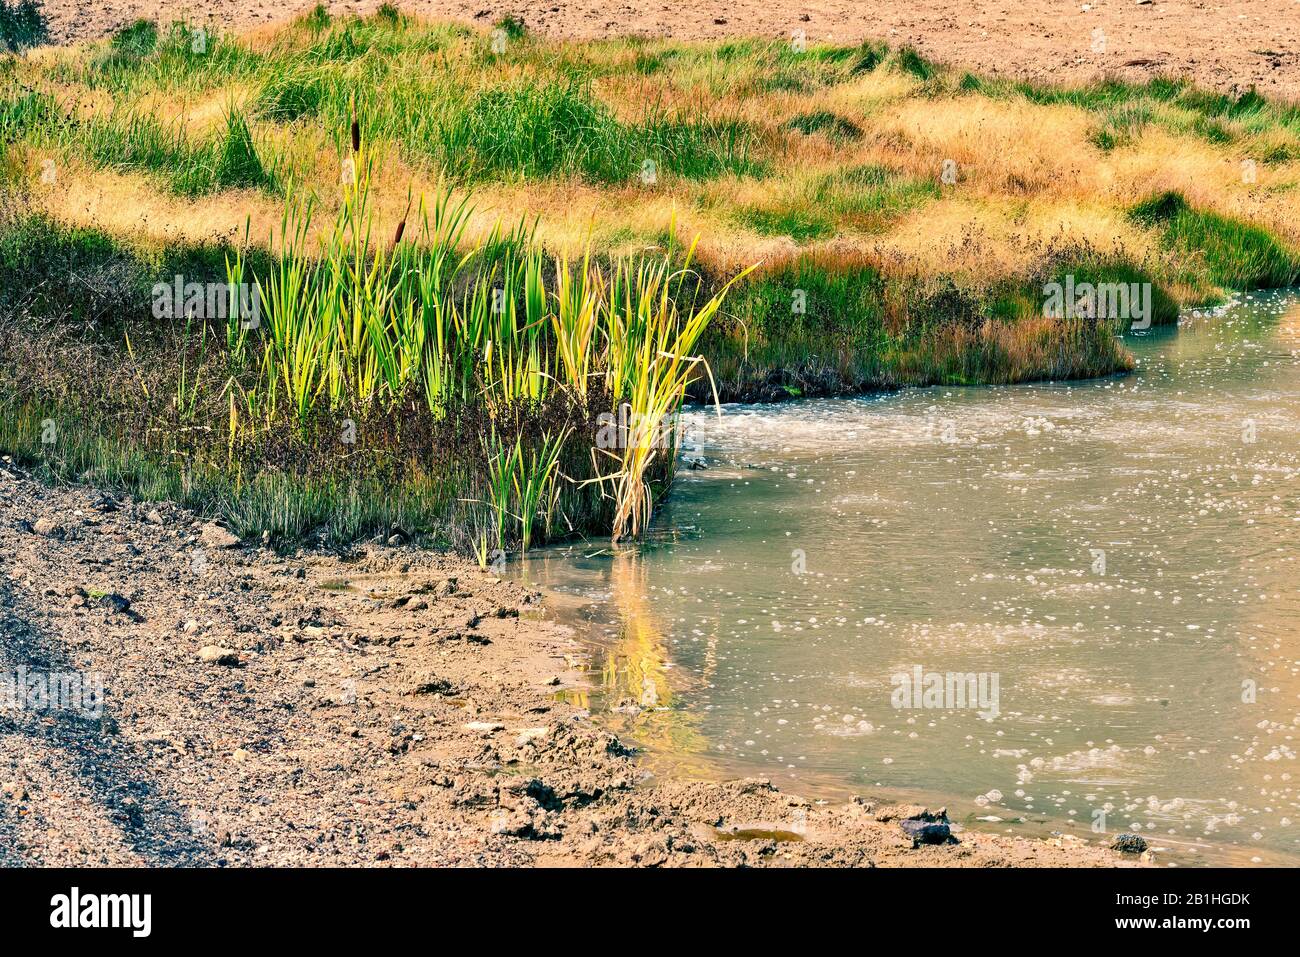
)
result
[(389, 707), (1226, 45)]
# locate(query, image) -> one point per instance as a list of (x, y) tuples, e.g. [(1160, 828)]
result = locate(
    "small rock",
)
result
[(214, 536), (240, 755), (190, 627), (428, 683), (528, 735), (48, 527), (928, 827), (118, 604), (14, 791), (1129, 843), (155, 517), (922, 832), (214, 654), (898, 812), (484, 727), (516, 824)]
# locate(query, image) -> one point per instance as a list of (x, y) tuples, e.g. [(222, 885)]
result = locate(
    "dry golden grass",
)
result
[(1002, 149), (999, 240), (130, 206)]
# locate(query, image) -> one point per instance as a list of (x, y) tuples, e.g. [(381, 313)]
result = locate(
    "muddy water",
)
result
[(1117, 563)]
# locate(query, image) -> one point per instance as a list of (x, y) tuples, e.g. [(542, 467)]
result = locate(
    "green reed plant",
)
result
[(502, 464), (355, 325), (650, 365), (534, 480), (575, 321), (188, 383)]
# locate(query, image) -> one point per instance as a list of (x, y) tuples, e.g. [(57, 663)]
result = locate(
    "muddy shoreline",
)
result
[(394, 707)]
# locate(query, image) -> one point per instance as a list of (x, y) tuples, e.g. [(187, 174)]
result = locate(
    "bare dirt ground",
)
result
[(1232, 44), (393, 707)]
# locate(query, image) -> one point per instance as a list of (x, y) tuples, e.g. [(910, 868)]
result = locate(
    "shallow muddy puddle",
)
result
[(1112, 565)]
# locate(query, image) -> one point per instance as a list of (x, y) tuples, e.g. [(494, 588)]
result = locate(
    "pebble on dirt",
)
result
[(215, 654)]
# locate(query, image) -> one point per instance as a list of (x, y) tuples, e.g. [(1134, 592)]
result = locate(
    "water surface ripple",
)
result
[(1121, 554)]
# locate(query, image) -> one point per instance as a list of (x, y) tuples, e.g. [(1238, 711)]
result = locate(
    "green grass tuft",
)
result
[(867, 57), (1121, 125), (140, 143), (22, 24), (291, 96), (237, 165), (1231, 253), (136, 40), (912, 63), (531, 131), (823, 121), (802, 224), (317, 19), (513, 27), (389, 14)]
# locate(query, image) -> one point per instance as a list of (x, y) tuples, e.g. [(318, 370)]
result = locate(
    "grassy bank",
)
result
[(470, 246), (488, 396), (892, 188)]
